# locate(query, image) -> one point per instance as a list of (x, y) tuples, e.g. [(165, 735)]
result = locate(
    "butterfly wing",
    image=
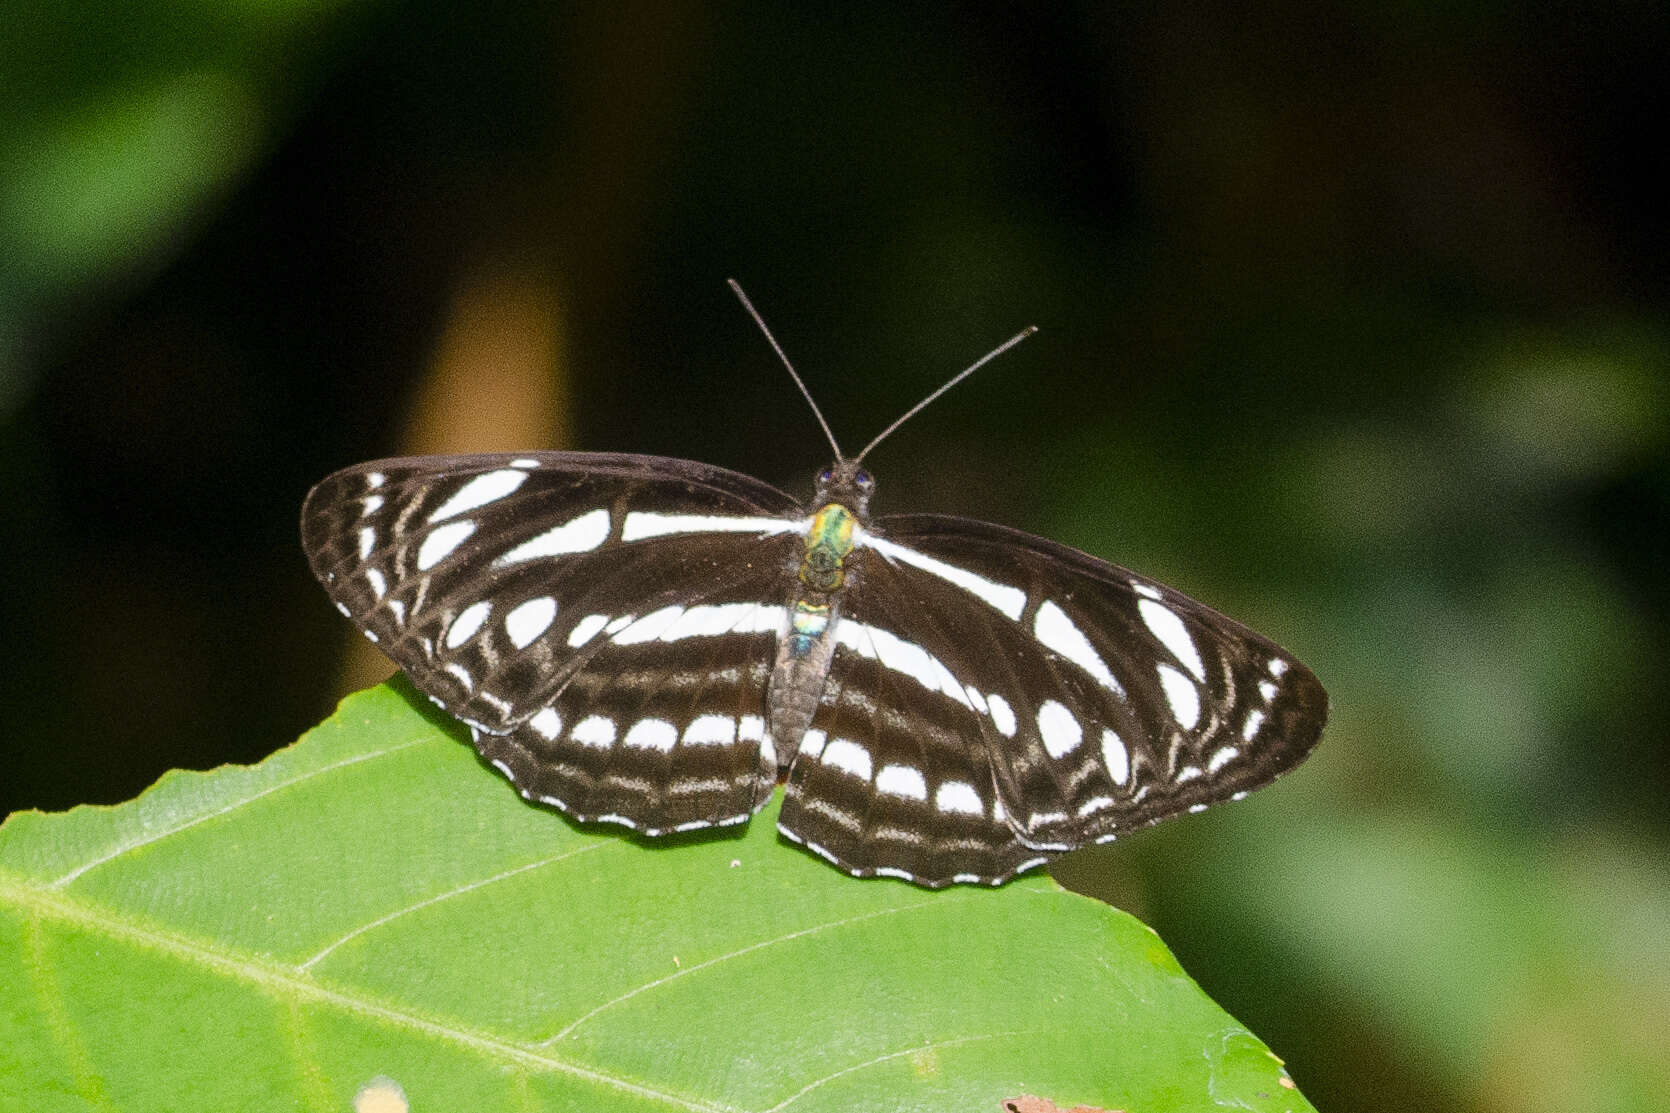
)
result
[(1057, 701), (895, 778), (596, 619)]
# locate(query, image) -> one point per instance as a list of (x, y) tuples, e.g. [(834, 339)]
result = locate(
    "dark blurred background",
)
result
[(1354, 325)]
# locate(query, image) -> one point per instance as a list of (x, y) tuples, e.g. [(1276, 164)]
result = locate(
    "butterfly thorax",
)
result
[(807, 643), (828, 541)]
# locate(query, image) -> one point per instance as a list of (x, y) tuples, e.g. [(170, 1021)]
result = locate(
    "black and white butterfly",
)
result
[(655, 643)]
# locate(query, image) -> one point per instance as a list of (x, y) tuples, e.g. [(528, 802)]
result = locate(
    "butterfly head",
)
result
[(846, 483)]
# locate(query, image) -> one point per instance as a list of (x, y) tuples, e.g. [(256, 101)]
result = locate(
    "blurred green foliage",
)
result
[(120, 128), (1354, 325)]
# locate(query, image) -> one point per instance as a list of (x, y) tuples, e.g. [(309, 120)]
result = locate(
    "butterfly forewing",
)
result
[(603, 623)]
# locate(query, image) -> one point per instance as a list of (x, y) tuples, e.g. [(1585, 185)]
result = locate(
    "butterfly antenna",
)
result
[(959, 377), (736, 289)]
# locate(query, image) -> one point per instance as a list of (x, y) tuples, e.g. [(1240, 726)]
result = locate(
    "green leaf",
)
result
[(373, 903)]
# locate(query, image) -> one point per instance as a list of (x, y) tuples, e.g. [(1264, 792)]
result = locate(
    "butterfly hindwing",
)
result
[(662, 726), (887, 781)]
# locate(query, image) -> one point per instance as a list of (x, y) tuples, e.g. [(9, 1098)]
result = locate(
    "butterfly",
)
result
[(657, 643)]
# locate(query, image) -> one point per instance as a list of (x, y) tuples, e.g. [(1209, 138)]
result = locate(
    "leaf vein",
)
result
[(439, 897), (717, 959), (157, 836), (286, 984), (879, 1059)]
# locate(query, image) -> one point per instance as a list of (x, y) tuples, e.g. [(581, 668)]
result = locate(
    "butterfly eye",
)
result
[(863, 480), (826, 476)]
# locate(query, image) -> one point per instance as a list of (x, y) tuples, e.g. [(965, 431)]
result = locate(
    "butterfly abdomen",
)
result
[(807, 643)]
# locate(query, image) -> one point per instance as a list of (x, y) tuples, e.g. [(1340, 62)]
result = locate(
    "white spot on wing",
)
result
[(649, 627), (577, 535), (1222, 758), (812, 743), (751, 728), (440, 543), (594, 730), (479, 491), (812, 846), (1007, 600), (1060, 731), (547, 723), (652, 734), (469, 621), (849, 757), (370, 504), (1255, 719), (1116, 757), (368, 541), (902, 780), (1277, 667), (958, 796), (379, 585), (1182, 695), (1095, 804), (527, 621), (1267, 689), (1003, 716), (1054, 630), (707, 620), (524, 462), (1166, 626), (640, 524), (460, 674), (374, 479), (901, 656), (710, 730), (712, 619), (1188, 773), (586, 629)]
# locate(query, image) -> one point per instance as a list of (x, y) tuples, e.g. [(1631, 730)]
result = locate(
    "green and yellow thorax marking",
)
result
[(827, 544)]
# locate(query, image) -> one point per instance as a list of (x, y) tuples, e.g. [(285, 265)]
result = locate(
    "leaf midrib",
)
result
[(286, 984)]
